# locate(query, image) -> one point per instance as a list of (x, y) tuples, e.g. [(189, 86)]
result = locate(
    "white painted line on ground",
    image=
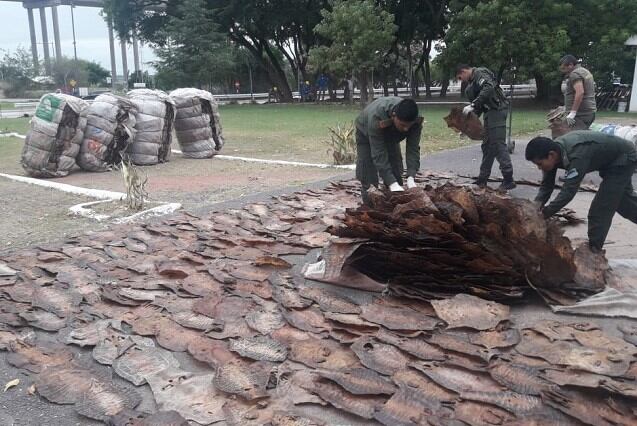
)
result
[(102, 195), (77, 190), (82, 210), (161, 210), (280, 162), (13, 134)]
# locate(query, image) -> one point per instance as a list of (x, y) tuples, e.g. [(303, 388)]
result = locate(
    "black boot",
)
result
[(481, 182), (508, 183)]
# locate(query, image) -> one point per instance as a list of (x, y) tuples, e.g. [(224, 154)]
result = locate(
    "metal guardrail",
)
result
[(24, 105), (520, 91)]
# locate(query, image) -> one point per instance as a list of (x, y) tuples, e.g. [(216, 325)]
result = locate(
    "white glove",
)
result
[(394, 187), (468, 109), (411, 183), (570, 118)]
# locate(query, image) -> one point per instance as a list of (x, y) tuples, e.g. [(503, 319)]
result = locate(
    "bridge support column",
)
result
[(136, 55), (122, 44), (111, 44), (34, 41), (56, 33), (45, 41)]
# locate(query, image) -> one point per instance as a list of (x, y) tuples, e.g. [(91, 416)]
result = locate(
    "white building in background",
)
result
[(632, 41)]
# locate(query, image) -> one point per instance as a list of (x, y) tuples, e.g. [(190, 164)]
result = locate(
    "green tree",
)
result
[(533, 35), (277, 33), (420, 24), (598, 30), (16, 65), (501, 33), (195, 53), (65, 69), (359, 33), (16, 70), (96, 73)]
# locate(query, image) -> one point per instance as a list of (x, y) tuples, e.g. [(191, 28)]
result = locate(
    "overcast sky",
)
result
[(91, 34)]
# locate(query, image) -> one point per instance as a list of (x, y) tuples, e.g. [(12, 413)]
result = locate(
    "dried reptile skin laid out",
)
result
[(204, 314)]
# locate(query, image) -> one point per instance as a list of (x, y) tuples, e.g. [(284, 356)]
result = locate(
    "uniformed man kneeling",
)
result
[(379, 129), (580, 152)]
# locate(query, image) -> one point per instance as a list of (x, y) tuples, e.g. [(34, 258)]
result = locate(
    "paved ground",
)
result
[(33, 214)]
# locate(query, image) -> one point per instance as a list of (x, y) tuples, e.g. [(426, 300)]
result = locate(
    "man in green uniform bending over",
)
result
[(379, 129), (487, 98), (580, 152)]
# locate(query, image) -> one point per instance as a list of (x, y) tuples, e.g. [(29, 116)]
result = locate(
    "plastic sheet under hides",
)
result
[(619, 299)]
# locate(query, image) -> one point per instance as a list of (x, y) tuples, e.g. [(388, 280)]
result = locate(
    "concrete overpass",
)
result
[(42, 5)]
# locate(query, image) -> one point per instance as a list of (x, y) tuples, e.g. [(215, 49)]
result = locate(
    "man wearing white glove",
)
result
[(487, 98), (579, 94), (380, 128)]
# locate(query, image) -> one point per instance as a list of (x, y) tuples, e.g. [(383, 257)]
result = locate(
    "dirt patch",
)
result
[(32, 215)]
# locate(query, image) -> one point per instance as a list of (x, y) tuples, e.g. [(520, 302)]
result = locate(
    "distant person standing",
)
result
[(237, 86), (273, 94), (322, 83), (578, 88), (305, 91)]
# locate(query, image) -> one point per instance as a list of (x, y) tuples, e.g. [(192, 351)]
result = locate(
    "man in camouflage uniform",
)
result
[(578, 87), (487, 98), (580, 152), (379, 129)]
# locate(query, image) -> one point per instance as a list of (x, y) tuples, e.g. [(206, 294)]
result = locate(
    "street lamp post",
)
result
[(73, 27)]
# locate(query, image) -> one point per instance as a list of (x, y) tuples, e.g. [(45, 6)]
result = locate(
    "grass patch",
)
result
[(10, 150), (298, 132), (18, 125), (6, 105)]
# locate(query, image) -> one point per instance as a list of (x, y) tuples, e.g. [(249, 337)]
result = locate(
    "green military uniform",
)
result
[(487, 97), (587, 109), (615, 159), (378, 145)]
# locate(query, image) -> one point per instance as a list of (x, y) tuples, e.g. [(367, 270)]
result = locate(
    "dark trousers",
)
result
[(494, 145), (615, 194), (366, 171)]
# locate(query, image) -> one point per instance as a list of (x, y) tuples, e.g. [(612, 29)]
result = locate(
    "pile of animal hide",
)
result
[(153, 123), (54, 139), (110, 128), (469, 124), (434, 243), (197, 123), (206, 320)]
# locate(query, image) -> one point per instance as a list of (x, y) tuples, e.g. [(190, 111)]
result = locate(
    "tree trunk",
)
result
[(332, 88), (275, 73), (363, 82), (279, 74), (410, 62), (385, 85), (445, 82), (427, 71), (416, 90), (544, 88)]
